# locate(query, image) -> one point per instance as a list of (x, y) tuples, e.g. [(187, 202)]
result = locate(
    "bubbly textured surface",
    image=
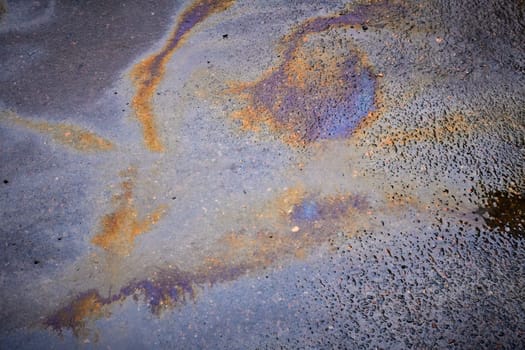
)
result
[(237, 174)]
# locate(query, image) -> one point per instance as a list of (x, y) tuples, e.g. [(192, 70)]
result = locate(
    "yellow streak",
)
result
[(65, 134)]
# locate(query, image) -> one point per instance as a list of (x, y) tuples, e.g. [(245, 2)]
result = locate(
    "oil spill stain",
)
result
[(234, 255), (310, 209), (148, 73), (68, 135), (87, 306), (120, 227), (442, 131), (315, 93), (505, 212)]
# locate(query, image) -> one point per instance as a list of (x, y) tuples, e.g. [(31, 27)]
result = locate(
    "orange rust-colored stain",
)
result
[(284, 203), (318, 91), (148, 73), (234, 254), (67, 135), (120, 228), (262, 249), (306, 221), (89, 306), (315, 77), (439, 132), (327, 209), (319, 218)]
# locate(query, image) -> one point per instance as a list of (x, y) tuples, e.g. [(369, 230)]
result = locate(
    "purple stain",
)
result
[(313, 208), (308, 210), (152, 293), (331, 102), (321, 24), (71, 315), (224, 273), (313, 112), (316, 112), (171, 286), (166, 286), (190, 18)]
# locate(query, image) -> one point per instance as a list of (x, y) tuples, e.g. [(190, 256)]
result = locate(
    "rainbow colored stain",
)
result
[(120, 227), (312, 95), (87, 306), (315, 93), (71, 136), (166, 289), (148, 73), (234, 255), (312, 209)]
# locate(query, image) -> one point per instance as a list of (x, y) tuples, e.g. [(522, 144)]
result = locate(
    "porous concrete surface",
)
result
[(333, 174)]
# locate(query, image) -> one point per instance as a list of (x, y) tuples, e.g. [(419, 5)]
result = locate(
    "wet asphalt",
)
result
[(252, 175)]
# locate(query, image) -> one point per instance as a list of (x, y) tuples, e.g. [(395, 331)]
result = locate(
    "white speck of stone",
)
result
[(295, 229)]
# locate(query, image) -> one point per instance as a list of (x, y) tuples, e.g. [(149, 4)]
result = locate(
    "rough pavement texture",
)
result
[(249, 174)]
